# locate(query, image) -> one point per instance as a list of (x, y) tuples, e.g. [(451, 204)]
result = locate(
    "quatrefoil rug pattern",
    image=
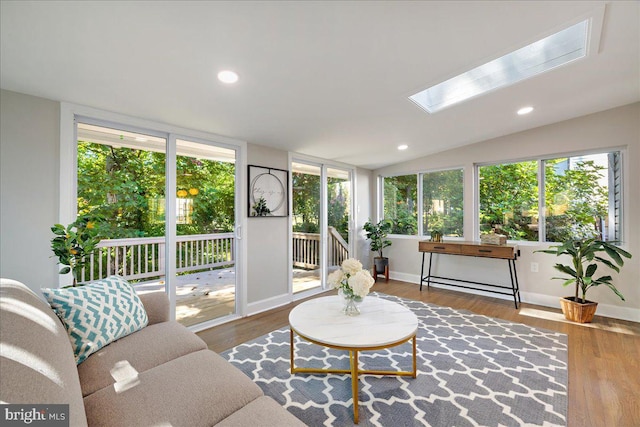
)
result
[(473, 370)]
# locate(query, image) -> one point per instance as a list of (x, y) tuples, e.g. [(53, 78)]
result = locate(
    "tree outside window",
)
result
[(576, 198), (126, 186), (509, 200), (582, 198), (400, 195), (442, 197)]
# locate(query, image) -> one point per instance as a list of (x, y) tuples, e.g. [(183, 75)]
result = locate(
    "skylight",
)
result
[(545, 54)]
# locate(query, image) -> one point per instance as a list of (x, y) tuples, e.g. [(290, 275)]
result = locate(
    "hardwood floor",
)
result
[(604, 356)]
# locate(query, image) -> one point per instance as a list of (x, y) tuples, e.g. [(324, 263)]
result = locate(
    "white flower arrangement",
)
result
[(351, 279)]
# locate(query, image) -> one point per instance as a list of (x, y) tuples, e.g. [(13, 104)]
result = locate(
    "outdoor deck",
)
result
[(208, 295), (205, 263)]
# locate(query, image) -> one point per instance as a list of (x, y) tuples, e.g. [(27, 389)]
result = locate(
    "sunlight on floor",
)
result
[(183, 311), (559, 317)]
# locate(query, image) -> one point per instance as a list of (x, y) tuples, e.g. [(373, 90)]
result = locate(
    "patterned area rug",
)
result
[(472, 371)]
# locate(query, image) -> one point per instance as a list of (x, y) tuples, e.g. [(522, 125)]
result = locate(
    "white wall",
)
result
[(29, 159), (363, 211), (616, 128), (267, 241)]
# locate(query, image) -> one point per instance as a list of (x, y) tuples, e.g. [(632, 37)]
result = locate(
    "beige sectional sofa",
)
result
[(161, 375)]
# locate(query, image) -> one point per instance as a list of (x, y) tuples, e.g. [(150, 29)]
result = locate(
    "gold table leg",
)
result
[(353, 368), (353, 358)]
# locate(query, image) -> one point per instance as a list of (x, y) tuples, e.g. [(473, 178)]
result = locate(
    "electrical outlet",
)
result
[(534, 267)]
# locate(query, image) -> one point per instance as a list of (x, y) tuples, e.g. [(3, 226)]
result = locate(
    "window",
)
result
[(578, 194), (509, 200), (442, 198), (581, 197), (167, 208), (400, 195)]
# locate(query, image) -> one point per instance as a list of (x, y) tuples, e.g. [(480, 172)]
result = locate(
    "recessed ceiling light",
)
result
[(227, 76), (403, 147), (525, 110)]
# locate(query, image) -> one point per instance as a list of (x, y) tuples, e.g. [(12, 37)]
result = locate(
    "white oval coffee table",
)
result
[(381, 324)]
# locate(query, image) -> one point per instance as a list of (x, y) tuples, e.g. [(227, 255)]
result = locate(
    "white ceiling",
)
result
[(327, 79)]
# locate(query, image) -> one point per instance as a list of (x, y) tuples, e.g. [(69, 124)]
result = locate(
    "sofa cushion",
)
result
[(139, 352), (199, 389), (262, 412), (36, 360), (98, 313), (156, 304)]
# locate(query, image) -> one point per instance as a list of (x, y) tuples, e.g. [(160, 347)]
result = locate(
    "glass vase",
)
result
[(351, 303)]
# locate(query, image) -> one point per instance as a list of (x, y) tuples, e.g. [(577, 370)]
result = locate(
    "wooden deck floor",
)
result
[(208, 295), (604, 357)]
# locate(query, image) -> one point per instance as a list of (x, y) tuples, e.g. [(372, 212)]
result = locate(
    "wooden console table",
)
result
[(475, 249)]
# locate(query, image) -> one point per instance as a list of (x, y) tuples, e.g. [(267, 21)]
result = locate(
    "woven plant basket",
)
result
[(577, 311)]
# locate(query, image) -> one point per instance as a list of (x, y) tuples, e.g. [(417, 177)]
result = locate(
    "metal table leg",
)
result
[(422, 272)]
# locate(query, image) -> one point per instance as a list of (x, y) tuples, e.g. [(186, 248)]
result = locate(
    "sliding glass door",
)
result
[(321, 222), (306, 222), (121, 191), (338, 184), (127, 182), (205, 275)]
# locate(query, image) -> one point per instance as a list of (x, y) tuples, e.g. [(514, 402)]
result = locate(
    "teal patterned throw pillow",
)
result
[(98, 313)]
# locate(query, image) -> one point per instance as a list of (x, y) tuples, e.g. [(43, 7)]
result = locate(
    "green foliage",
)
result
[(74, 243), (306, 204), (377, 233), (400, 203), (338, 206), (509, 199), (445, 188), (127, 188), (260, 207), (581, 272), (575, 202)]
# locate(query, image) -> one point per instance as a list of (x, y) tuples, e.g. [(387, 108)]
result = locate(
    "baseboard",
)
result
[(605, 310), (267, 304), (404, 277)]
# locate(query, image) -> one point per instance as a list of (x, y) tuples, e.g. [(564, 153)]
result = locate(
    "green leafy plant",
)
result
[(260, 207), (74, 243), (584, 257), (377, 233)]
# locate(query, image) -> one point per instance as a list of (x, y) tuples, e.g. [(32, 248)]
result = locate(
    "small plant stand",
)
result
[(386, 273)]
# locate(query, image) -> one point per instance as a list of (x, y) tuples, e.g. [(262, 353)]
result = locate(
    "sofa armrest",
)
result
[(156, 305)]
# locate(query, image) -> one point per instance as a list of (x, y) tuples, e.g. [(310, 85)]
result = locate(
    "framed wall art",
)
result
[(268, 192)]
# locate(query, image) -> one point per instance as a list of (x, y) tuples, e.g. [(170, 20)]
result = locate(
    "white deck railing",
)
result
[(144, 258), (306, 249)]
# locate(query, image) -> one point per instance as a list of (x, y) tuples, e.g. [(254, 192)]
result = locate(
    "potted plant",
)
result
[(74, 243), (377, 233), (585, 255)]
